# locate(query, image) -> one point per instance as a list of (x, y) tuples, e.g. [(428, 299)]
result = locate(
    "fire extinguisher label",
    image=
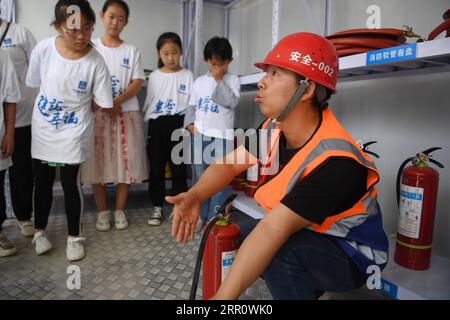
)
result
[(227, 260), (252, 173), (411, 200)]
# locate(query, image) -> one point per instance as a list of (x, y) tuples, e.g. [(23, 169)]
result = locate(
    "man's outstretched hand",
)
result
[(186, 211)]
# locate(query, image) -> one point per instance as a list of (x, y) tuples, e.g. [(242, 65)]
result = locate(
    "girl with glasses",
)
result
[(71, 76)]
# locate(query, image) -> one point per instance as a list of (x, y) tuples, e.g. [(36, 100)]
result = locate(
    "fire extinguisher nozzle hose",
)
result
[(198, 263), (426, 153), (399, 176)]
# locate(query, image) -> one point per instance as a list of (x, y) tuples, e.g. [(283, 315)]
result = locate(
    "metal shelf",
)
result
[(404, 284), (430, 57), (397, 282)]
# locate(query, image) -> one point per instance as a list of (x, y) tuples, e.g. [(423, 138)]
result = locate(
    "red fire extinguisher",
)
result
[(218, 248), (252, 180), (417, 189)]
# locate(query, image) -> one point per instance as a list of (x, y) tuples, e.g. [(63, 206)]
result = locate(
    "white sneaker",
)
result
[(120, 220), (27, 228), (75, 249), (41, 243), (6, 247), (156, 217), (103, 221)]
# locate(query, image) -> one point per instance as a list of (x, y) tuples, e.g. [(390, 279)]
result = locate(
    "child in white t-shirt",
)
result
[(210, 117), (168, 94), (70, 75), (118, 152), (19, 43), (10, 95)]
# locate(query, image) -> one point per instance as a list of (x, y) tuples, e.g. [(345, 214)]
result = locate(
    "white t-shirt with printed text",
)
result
[(10, 93), (19, 43), (62, 116), (125, 65), (168, 93), (212, 119)]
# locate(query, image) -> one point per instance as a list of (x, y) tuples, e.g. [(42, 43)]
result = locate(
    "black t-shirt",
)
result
[(332, 188)]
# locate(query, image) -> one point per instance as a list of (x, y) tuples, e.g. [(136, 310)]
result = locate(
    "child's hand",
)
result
[(218, 72), (7, 146), (94, 107), (115, 111)]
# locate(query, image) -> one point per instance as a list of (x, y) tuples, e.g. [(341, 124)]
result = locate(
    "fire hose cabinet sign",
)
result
[(411, 200)]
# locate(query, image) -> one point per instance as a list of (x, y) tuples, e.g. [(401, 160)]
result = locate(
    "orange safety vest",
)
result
[(331, 140)]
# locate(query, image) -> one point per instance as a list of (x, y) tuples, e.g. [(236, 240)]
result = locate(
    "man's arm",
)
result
[(187, 205), (222, 173), (258, 250)]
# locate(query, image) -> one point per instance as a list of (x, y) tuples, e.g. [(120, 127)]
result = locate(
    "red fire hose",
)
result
[(444, 26), (354, 41)]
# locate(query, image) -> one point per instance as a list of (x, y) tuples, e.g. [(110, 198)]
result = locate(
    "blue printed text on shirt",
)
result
[(53, 110), (206, 104), (166, 107)]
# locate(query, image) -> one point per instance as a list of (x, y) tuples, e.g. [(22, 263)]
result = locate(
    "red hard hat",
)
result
[(307, 54)]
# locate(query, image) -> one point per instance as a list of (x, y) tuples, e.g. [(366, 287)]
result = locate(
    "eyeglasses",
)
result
[(87, 30)]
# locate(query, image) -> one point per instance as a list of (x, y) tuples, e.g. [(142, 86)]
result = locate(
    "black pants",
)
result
[(160, 147), (21, 175), (2, 198), (44, 177)]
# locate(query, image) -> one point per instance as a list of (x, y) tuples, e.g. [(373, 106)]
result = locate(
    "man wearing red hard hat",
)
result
[(323, 227)]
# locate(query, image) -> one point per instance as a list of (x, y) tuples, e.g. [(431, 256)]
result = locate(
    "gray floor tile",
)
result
[(140, 263)]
